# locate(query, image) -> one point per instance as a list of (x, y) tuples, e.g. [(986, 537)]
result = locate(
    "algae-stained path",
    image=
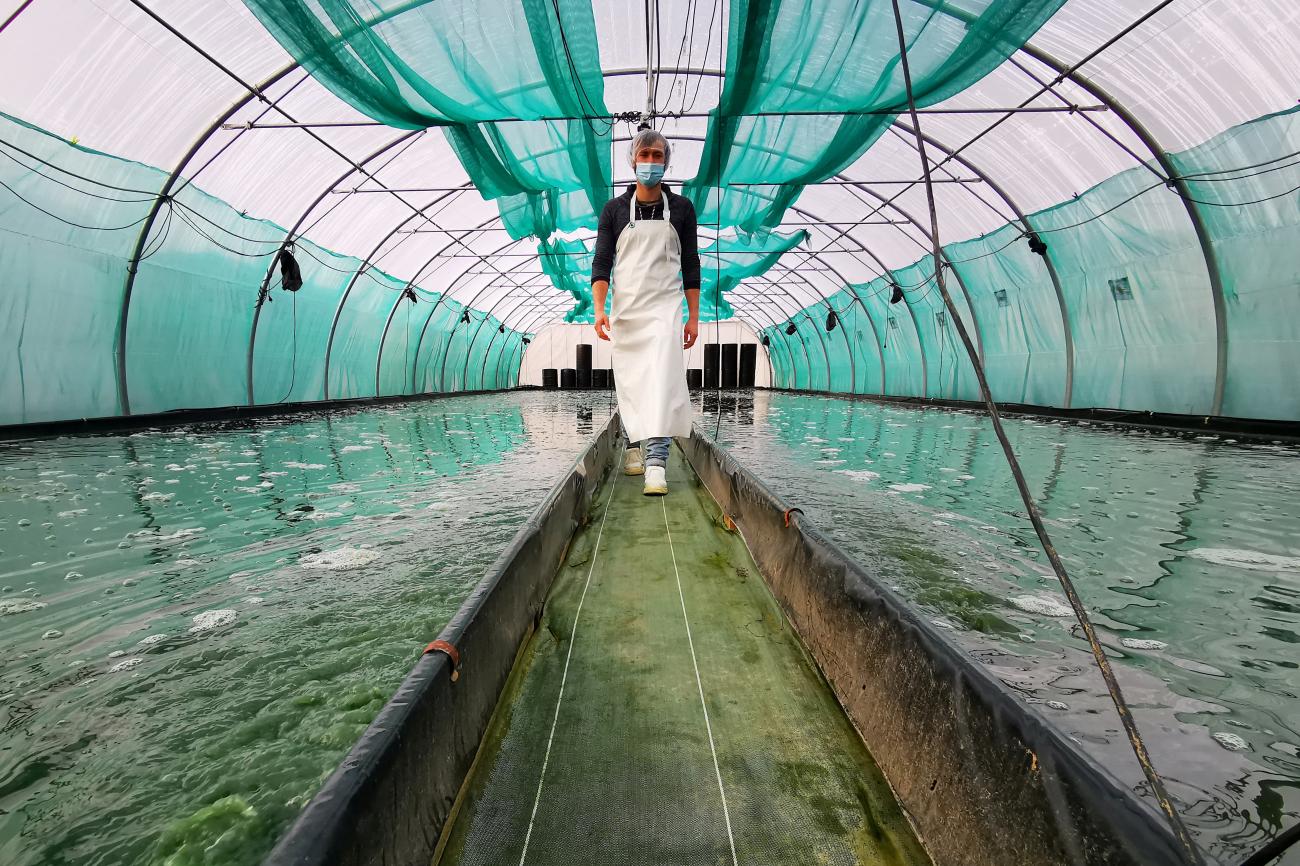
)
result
[(664, 713)]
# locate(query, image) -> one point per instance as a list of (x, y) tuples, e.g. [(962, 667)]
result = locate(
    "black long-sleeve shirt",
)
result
[(615, 216)]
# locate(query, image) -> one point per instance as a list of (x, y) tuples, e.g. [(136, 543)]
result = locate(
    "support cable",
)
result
[(1112, 684)]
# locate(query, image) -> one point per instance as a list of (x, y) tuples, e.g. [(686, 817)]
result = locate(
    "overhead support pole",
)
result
[(674, 115), (1035, 517)]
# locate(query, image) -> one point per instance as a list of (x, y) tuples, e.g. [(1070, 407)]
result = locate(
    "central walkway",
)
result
[(664, 713)]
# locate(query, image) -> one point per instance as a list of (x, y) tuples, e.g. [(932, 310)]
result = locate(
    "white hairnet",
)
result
[(649, 137)]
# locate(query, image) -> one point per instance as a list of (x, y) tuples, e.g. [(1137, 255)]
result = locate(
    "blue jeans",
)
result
[(655, 449)]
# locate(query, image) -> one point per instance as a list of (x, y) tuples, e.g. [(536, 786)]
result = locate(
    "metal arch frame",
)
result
[(783, 336), (289, 236), (780, 334), (800, 308), (825, 344), (469, 305), (979, 340), (529, 294), (1149, 141), (496, 375), (1068, 73), (133, 267), (379, 355), (365, 264), (446, 294), (1066, 328)]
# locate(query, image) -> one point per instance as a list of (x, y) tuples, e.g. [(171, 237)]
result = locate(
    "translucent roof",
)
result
[(158, 82)]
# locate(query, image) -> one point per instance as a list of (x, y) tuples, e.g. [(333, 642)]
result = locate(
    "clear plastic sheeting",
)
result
[(1181, 299), (1128, 276), (810, 86)]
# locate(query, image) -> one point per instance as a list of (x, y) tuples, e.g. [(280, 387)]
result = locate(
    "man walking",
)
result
[(646, 244)]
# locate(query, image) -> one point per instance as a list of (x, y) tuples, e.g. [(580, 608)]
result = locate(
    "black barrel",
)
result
[(568, 378), (600, 378), (550, 378), (695, 378), (584, 358), (583, 382), (730, 356), (711, 354), (611, 377), (748, 365)]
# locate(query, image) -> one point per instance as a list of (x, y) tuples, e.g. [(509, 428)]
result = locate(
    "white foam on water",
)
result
[(249, 489), (859, 474), (210, 619), (888, 454), (182, 533), (339, 560), (322, 515), (157, 497), (1056, 705), (909, 488), (52, 634), (253, 599), (271, 474), (350, 448), (1251, 560), (73, 512), (243, 477), (965, 477), (296, 465), (1231, 742), (1045, 605), (10, 606), (1142, 644), (153, 639), (126, 665)]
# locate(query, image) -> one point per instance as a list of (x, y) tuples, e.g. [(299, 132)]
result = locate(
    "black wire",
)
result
[(150, 196), (149, 192), (708, 43), (69, 222)]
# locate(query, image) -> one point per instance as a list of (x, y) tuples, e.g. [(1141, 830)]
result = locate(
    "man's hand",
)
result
[(602, 326), (690, 333)]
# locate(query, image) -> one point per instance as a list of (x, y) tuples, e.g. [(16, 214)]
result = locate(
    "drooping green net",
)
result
[(722, 266), (474, 68), (826, 58)]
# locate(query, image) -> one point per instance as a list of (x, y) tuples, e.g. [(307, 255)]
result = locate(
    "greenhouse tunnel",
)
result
[(159, 156), (214, 208)]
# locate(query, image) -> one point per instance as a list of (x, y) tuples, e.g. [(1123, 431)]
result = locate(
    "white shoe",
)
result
[(656, 484), (633, 462)]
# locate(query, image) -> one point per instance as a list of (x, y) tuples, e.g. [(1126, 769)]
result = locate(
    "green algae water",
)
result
[(1185, 548), (196, 624)]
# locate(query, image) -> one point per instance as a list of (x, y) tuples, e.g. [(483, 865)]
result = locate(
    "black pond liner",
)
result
[(983, 778)]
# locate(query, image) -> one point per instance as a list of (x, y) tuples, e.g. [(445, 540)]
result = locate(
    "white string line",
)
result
[(573, 637), (726, 814)]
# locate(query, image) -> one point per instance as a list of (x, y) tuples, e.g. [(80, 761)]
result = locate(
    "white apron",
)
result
[(646, 329)]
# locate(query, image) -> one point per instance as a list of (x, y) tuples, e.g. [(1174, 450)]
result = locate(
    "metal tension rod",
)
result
[(883, 112), (1031, 507), (871, 182)]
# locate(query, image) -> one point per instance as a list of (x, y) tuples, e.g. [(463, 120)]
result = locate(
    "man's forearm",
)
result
[(599, 289), (693, 304)]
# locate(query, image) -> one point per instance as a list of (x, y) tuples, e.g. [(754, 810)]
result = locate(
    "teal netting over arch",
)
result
[(1137, 297), (65, 256), (788, 60)]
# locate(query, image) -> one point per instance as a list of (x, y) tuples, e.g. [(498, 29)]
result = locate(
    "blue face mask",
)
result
[(650, 173)]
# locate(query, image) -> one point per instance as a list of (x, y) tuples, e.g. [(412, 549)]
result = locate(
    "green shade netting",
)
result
[(568, 264), (727, 261), (723, 265), (1134, 290), (419, 63), (462, 64), (542, 214), (69, 222), (834, 56), (1253, 218)]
